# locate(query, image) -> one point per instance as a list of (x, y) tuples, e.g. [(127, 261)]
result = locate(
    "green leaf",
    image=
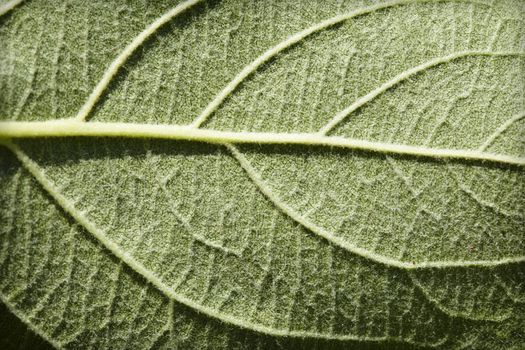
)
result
[(271, 174)]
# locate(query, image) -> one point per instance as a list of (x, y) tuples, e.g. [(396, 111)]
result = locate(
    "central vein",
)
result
[(73, 128)]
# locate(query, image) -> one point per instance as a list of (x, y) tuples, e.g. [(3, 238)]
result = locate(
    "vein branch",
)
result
[(341, 242), (340, 116), (500, 130), (126, 53), (450, 311)]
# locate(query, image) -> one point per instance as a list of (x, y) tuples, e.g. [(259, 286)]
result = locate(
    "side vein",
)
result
[(340, 116), (490, 140), (124, 55)]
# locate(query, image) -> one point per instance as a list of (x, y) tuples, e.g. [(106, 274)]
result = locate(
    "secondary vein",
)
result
[(126, 53), (342, 115)]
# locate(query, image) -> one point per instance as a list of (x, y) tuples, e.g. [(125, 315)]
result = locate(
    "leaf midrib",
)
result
[(73, 128)]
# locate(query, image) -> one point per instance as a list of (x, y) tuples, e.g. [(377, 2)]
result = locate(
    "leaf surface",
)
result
[(133, 242)]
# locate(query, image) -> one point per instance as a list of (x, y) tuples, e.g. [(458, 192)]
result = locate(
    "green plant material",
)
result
[(312, 175)]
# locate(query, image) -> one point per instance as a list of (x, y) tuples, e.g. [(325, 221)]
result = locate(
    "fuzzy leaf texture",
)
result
[(277, 174)]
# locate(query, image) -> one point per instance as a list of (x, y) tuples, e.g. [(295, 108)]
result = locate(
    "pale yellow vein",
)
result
[(8, 6), (296, 216)]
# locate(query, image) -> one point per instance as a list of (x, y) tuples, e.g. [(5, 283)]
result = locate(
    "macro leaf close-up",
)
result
[(262, 174)]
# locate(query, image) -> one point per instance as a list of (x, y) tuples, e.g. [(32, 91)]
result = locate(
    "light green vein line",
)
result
[(450, 312), (39, 175), (73, 128), (28, 323), (294, 39), (501, 130), (8, 6), (256, 178), (124, 55), (340, 116)]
